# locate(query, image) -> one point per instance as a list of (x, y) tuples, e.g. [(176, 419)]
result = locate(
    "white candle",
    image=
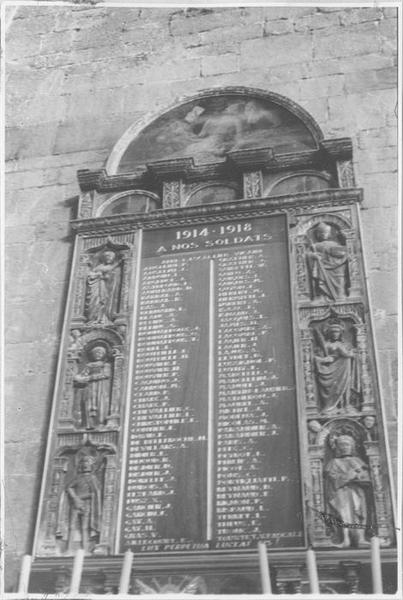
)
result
[(264, 568), (376, 565), (312, 571), (24, 575), (126, 572), (77, 570)]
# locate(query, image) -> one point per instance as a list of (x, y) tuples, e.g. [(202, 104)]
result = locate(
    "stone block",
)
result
[(278, 27), (387, 369), (236, 33), (273, 13), (85, 133), (388, 33), (213, 65), (22, 417), (380, 190), (363, 110), (351, 64), (383, 289), (352, 16), (34, 110), (204, 19), (57, 41), (35, 140), (321, 87), (389, 12), (28, 82), (274, 51), (23, 233), (361, 39), (19, 507), (29, 18), (93, 104), (317, 20), (22, 457), (379, 79), (22, 45)]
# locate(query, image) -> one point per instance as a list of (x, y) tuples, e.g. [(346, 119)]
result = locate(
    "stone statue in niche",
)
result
[(80, 508), (103, 289), (328, 264), (93, 388), (336, 369), (347, 494)]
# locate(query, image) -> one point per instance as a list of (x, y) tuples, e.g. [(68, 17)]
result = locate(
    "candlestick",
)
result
[(312, 571), (24, 574), (376, 565), (77, 570), (126, 573), (264, 568)]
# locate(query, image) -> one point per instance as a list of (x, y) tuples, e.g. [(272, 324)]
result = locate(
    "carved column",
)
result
[(301, 271), (253, 184), (306, 343), (66, 415), (79, 293), (171, 194), (105, 540), (116, 399), (317, 524), (350, 237), (380, 498), (56, 488), (368, 402), (124, 293)]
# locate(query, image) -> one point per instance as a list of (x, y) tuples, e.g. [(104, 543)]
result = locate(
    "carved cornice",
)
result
[(339, 149), (298, 203), (185, 168)]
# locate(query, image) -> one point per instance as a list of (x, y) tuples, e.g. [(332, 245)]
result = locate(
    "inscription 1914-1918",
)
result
[(213, 456)]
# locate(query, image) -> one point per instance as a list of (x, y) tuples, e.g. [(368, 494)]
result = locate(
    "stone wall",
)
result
[(79, 76)]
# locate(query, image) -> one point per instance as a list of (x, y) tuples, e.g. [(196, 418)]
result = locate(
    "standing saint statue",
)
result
[(80, 510), (93, 388), (337, 373), (347, 488), (328, 265), (103, 288)]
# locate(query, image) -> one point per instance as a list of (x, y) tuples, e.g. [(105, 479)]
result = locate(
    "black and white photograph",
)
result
[(201, 299)]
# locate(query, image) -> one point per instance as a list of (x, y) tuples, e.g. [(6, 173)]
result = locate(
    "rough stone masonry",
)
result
[(77, 78)]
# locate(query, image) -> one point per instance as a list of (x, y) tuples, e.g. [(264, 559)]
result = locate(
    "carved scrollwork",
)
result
[(171, 194), (345, 172)]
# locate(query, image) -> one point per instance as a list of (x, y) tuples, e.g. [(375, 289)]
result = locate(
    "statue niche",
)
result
[(80, 505), (93, 387), (348, 494), (337, 370), (102, 297), (327, 262)]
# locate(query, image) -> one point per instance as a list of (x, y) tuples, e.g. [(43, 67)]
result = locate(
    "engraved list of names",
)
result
[(213, 455)]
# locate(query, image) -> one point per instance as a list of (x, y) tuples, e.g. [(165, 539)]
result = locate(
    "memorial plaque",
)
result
[(213, 453)]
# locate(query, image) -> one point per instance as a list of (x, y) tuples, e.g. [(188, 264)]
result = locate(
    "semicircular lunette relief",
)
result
[(206, 128)]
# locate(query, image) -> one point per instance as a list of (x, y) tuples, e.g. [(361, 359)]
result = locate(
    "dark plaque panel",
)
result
[(213, 457)]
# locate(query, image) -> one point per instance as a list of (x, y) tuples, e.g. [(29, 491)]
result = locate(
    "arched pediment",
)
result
[(214, 122)]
